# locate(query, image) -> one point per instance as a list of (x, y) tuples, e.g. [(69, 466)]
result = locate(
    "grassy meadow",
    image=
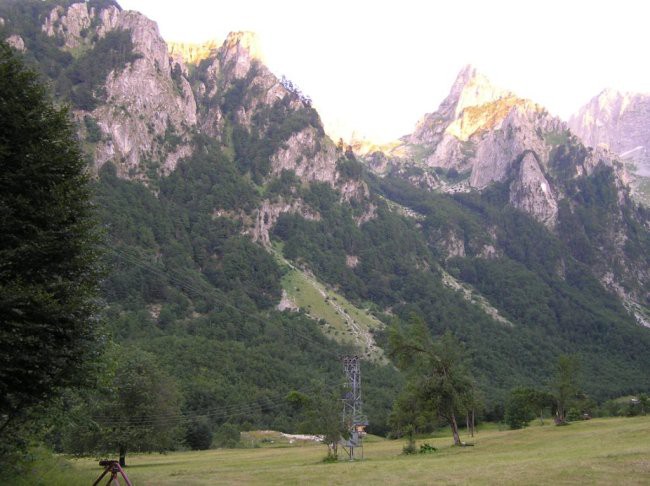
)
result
[(600, 451), (342, 320)]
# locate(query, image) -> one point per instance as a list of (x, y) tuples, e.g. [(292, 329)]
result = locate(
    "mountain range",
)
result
[(247, 248)]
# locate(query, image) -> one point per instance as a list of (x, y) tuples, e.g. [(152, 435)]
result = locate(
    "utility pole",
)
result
[(353, 419)]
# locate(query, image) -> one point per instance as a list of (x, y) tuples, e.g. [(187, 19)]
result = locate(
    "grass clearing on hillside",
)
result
[(599, 451), (344, 322)]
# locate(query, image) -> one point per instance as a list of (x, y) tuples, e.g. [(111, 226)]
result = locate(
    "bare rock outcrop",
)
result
[(16, 42), (71, 24), (531, 192), (148, 114), (193, 53), (482, 129), (620, 122), (487, 134), (269, 212), (236, 77)]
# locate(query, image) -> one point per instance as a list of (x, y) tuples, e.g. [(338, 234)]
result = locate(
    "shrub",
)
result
[(199, 434)]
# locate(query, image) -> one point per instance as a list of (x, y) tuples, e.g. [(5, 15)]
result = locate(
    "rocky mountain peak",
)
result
[(473, 103), (480, 129), (191, 52), (621, 122), (470, 89), (482, 134), (142, 117), (238, 52)]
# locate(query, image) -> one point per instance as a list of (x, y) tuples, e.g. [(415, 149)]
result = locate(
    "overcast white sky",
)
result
[(377, 67)]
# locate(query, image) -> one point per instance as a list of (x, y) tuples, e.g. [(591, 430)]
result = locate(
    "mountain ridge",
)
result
[(620, 121), (524, 244)]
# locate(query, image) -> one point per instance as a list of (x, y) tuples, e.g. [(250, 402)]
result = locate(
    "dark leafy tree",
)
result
[(644, 403), (565, 386), (408, 417), (199, 434), (518, 409), (440, 379), (138, 410), (227, 435), (48, 248), (525, 403), (321, 415)]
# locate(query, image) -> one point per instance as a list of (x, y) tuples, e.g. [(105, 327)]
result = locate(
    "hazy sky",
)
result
[(377, 67)]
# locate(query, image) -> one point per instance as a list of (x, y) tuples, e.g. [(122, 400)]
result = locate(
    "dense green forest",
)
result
[(189, 299), (190, 289)]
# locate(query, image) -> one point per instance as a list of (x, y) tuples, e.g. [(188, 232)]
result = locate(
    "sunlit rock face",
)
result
[(153, 108), (619, 121), (470, 89), (485, 134), (147, 114), (192, 53), (481, 129), (238, 65)]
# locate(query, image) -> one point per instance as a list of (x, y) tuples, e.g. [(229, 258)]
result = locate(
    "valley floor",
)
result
[(599, 451)]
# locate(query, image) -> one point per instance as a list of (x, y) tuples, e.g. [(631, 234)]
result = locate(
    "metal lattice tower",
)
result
[(353, 419)]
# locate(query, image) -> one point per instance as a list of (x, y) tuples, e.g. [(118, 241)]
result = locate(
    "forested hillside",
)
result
[(192, 199)]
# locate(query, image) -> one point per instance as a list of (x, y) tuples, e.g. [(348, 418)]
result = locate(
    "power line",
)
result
[(183, 418)]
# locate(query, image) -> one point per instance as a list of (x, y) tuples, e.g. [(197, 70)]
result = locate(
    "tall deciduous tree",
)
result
[(440, 380), (322, 416), (48, 247), (565, 385), (139, 410), (524, 403)]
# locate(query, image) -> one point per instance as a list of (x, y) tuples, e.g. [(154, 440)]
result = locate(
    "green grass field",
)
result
[(599, 451)]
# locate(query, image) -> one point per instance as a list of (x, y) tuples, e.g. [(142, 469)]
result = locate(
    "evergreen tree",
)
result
[(48, 248)]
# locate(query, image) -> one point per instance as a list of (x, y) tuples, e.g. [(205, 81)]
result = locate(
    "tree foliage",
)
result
[(524, 404), (321, 415), (48, 249), (565, 385), (440, 381), (137, 410)]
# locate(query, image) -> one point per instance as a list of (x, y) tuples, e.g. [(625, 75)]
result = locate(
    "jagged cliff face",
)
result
[(481, 128), (620, 121), (243, 104), (151, 107), (236, 90), (192, 53), (148, 114), (484, 134), (471, 89)]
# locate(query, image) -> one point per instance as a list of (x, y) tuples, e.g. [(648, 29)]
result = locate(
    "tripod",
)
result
[(114, 468)]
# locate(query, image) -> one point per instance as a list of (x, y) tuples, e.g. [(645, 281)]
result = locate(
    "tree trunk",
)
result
[(559, 416), (541, 417), (122, 456), (333, 449), (454, 429), (473, 422)]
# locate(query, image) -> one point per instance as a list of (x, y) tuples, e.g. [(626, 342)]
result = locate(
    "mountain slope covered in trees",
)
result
[(201, 167)]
